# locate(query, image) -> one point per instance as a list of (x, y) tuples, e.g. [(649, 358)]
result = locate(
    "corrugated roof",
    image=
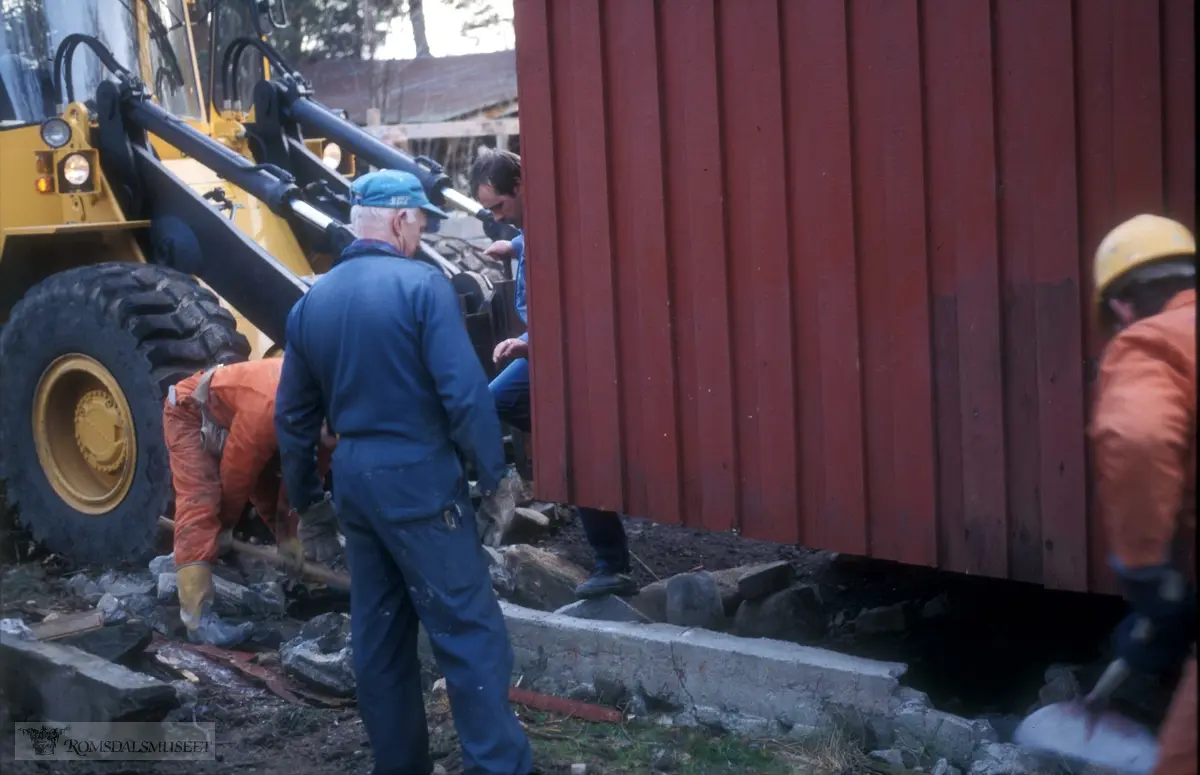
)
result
[(416, 90)]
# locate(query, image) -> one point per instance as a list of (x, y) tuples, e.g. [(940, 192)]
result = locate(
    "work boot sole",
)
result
[(611, 586)]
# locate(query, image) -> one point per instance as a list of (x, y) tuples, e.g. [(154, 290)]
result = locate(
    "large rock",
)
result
[(693, 600), (793, 614), (322, 655), (83, 587), (608, 608), (879, 621), (764, 580), (1008, 759), (164, 563), (540, 580), (652, 599), (919, 727), (52, 681)]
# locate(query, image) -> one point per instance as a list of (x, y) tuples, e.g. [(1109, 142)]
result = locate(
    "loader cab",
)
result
[(152, 38)]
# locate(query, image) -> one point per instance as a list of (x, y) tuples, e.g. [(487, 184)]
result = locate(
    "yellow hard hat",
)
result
[(1137, 242)]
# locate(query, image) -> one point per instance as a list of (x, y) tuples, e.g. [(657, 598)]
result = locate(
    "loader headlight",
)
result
[(56, 133), (76, 169), (331, 156)]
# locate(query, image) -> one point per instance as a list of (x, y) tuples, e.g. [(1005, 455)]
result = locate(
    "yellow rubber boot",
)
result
[(195, 609)]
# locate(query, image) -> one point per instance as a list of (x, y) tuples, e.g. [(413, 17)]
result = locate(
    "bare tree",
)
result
[(416, 15)]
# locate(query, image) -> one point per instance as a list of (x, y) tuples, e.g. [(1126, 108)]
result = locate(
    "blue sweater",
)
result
[(378, 345)]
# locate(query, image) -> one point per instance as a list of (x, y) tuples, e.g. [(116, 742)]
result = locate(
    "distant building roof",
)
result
[(416, 90)]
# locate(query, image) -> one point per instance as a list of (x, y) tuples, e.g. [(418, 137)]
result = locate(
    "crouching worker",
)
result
[(220, 434)]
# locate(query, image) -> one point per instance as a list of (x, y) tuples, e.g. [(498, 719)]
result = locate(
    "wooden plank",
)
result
[(1040, 246), (697, 235), (760, 272), (890, 199), (437, 130), (1179, 108), (593, 374), (532, 27), (833, 510), (964, 252), (68, 624), (649, 419)]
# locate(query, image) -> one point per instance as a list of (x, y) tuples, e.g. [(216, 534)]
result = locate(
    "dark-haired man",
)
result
[(496, 184)]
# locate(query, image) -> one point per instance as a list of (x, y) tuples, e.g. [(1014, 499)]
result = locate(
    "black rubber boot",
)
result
[(606, 581)]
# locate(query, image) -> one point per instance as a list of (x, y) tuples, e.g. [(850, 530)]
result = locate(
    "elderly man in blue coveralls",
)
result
[(378, 345), (496, 183)]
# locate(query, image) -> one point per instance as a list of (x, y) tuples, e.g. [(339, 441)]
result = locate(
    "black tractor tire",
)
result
[(150, 326)]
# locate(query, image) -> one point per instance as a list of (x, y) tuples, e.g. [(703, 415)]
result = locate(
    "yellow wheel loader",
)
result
[(146, 234)]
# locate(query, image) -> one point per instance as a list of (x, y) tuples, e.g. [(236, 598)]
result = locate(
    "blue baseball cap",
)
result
[(392, 188)]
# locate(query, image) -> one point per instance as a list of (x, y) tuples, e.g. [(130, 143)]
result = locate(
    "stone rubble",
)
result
[(322, 655)]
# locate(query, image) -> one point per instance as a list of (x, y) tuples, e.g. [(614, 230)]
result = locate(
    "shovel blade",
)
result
[(1106, 739)]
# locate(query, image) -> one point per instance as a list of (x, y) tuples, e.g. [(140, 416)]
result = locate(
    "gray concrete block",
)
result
[(691, 668), (56, 682), (953, 738), (608, 608)]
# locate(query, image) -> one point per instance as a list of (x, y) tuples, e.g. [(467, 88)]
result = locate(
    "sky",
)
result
[(443, 29)]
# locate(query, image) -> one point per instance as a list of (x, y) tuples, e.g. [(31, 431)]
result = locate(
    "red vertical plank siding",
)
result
[(1094, 112), (759, 278), (587, 260), (1137, 111), (647, 360), (696, 233), (1039, 225), (1179, 108), (893, 278), (964, 254), (539, 170), (820, 271), (833, 507)]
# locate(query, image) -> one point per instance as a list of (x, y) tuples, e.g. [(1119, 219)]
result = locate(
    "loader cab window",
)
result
[(147, 36), (235, 19)]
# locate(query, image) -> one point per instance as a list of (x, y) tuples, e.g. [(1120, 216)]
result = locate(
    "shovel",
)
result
[(1085, 731)]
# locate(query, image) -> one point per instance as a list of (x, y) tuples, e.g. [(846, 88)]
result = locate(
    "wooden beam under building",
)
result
[(438, 130)]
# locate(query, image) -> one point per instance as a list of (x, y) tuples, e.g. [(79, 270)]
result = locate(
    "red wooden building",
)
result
[(817, 270)]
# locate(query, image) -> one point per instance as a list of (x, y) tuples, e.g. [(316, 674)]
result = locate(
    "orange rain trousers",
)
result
[(210, 492), (1144, 441)]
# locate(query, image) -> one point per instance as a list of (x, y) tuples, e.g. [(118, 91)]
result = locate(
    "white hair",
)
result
[(367, 222)]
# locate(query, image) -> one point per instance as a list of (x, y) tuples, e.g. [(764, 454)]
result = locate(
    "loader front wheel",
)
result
[(88, 356)]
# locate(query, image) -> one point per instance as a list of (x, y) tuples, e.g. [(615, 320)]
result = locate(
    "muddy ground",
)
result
[(977, 647)]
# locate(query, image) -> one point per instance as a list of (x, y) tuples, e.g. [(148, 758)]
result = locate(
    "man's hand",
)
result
[(496, 512), (318, 534), (501, 250), (510, 348)]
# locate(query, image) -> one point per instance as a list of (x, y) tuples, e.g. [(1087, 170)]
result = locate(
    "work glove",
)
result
[(316, 538), (496, 511), (1160, 627)]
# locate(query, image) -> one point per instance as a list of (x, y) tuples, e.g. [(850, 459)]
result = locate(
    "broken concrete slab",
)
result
[(53, 681), (56, 625), (121, 585), (117, 642), (1008, 759), (794, 614), (162, 564), (540, 579), (16, 628), (83, 587), (322, 655), (693, 600), (764, 580), (230, 599), (608, 608)]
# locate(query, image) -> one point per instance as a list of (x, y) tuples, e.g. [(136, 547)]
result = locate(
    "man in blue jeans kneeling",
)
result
[(496, 184)]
